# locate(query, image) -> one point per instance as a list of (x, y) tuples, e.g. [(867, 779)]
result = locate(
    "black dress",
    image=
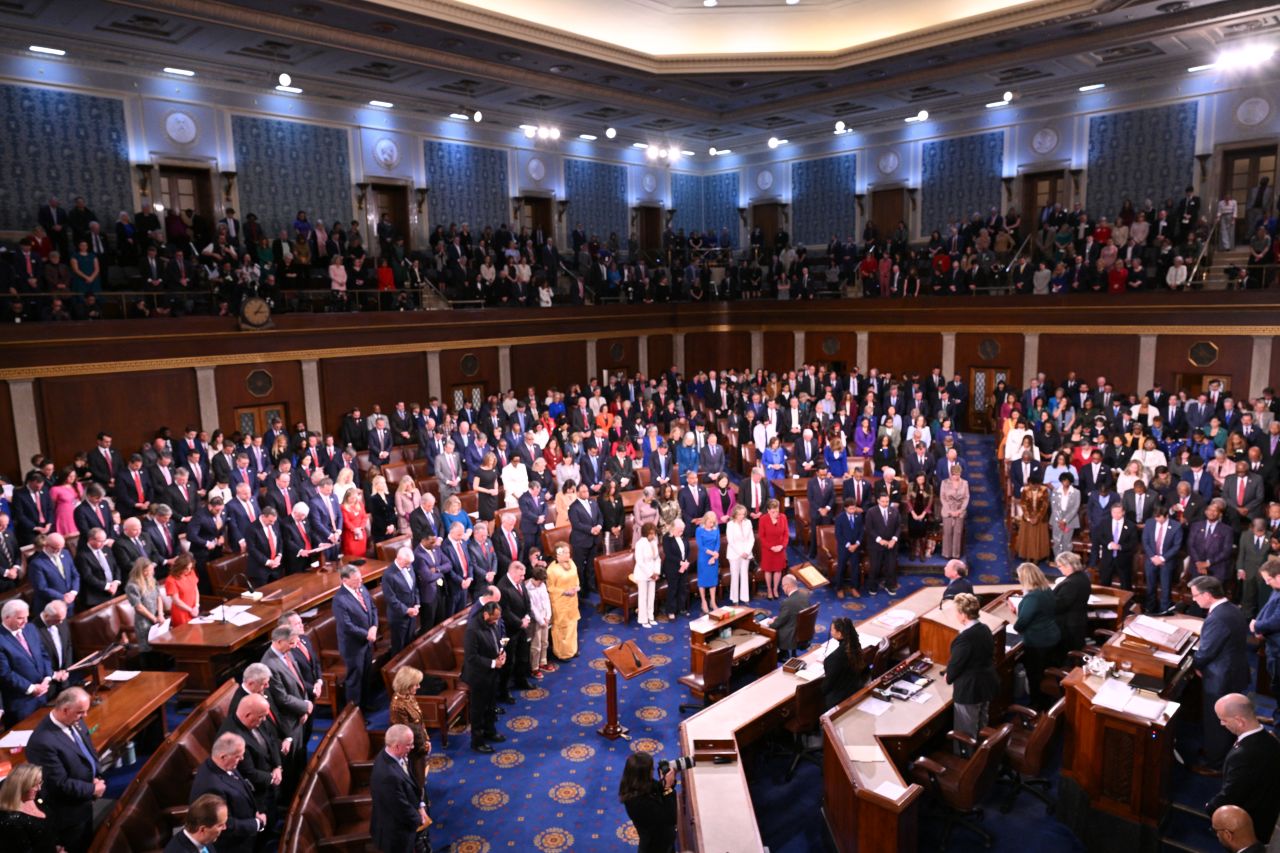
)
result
[(486, 504), (382, 514), (842, 678), (654, 816), (22, 831)]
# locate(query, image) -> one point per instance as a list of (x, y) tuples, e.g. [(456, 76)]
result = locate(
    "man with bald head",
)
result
[(1249, 770), (398, 806), (218, 775), (53, 574), (262, 764), (1235, 830)]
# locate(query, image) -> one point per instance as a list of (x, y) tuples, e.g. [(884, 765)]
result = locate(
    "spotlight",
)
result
[(460, 116), (663, 153), (180, 72), (48, 51), (1245, 57), (284, 80), (1008, 96), (589, 137), (555, 133), (651, 153), (711, 152), (1093, 87), (610, 133), (840, 126), (543, 133), (477, 116), (773, 142), (923, 115), (528, 130), (386, 105)]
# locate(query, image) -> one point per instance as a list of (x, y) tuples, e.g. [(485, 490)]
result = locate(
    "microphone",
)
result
[(243, 577)]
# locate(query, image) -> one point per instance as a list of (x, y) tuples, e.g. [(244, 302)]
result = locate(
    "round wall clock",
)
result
[(764, 180), (889, 162), (180, 127), (1045, 140)]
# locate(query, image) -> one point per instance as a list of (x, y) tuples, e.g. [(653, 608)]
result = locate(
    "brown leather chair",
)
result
[(505, 511), (394, 472), (418, 469), (713, 682), (362, 462), (551, 538), (800, 506), (470, 501), (1028, 752), (387, 548), (323, 632), (98, 627), (432, 655), (613, 580), (827, 557), (958, 783), (806, 624), (430, 484), (222, 574), (801, 719), (333, 808)]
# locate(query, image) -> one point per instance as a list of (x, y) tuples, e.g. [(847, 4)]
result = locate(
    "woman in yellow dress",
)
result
[(562, 585)]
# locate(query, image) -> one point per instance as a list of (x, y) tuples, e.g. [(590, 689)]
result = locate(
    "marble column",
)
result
[(642, 354), (677, 351), (864, 347), (1146, 362), (948, 355), (207, 390), (798, 353), (434, 385), (1260, 367), (311, 395), (1030, 357), (26, 432), (504, 368), (593, 366), (757, 351)]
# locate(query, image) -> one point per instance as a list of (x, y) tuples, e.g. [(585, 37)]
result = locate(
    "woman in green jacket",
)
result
[(1037, 626)]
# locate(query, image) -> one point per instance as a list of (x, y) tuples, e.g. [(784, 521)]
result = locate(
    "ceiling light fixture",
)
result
[(774, 142), (1008, 96), (48, 51), (710, 4), (292, 90), (640, 145), (711, 152), (386, 105), (589, 137), (544, 133), (1198, 68), (555, 133), (1245, 57), (180, 72), (840, 126), (792, 2), (284, 80), (610, 133), (528, 130), (686, 153), (651, 153), (1093, 87), (923, 115), (460, 116), (995, 105), (477, 116)]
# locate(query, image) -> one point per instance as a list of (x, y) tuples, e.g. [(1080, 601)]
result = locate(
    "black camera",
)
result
[(680, 764)]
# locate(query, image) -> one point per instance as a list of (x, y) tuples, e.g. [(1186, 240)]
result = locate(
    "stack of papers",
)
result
[(1118, 696), (867, 641), (896, 618), (16, 740), (235, 614), (866, 754), (810, 673), (123, 675)]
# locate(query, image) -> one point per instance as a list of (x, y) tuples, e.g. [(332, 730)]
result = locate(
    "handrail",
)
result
[(1018, 253), (1213, 230)]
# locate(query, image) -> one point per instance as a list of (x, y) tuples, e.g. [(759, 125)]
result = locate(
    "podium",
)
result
[(630, 661)]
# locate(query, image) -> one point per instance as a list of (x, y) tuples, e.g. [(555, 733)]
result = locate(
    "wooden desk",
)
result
[(123, 712), (206, 652), (940, 625), (751, 641)]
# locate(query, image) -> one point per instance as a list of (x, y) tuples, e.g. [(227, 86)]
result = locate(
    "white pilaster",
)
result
[(677, 350), (1030, 356), (642, 354), (798, 355), (207, 390), (22, 398), (434, 385), (948, 354), (864, 346), (504, 368), (593, 366), (1146, 362), (757, 351), (311, 395), (1260, 367)]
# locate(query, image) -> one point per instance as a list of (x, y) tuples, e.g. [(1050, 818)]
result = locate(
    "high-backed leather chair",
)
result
[(470, 501), (806, 624), (827, 556), (1028, 751), (958, 783), (432, 655), (551, 538), (387, 548), (222, 574), (803, 528), (98, 627), (713, 682), (418, 469), (613, 581), (394, 472), (802, 716)]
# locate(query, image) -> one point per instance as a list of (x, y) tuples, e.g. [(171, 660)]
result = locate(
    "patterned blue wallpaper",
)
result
[(822, 198), (67, 145), (1140, 154), (720, 204), (597, 194), (686, 198), (959, 176), (286, 166), (468, 184)]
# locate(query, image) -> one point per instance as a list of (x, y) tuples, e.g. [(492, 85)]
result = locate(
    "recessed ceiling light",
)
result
[(686, 153), (651, 153), (1093, 87), (284, 80), (712, 151), (555, 133), (610, 133), (292, 90), (640, 145), (710, 4), (543, 133), (724, 151), (477, 116), (50, 51), (180, 72), (1245, 57), (923, 115), (589, 137), (1197, 68), (840, 126), (774, 142), (460, 116), (386, 105), (528, 130), (1008, 96), (792, 2)]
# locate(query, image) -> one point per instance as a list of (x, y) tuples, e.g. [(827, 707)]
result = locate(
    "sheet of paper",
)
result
[(1148, 709), (867, 641), (922, 697), (242, 619), (890, 790), (16, 740), (1113, 694), (873, 706), (1095, 600), (123, 675), (810, 673), (868, 754), (158, 630), (1155, 624)]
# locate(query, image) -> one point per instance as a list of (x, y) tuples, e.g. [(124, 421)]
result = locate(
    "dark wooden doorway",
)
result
[(473, 391), (1040, 189), (1241, 171), (983, 407), (536, 213), (1195, 383), (767, 216), (649, 229), (186, 188), (256, 420), (888, 208), (393, 200)]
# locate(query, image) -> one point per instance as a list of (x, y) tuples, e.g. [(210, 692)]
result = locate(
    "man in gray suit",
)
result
[(289, 695), (1243, 493), (1254, 549), (1065, 517), (784, 623), (449, 471)]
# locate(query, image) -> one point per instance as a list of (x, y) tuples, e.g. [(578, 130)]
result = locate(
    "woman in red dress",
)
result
[(355, 525), (181, 586), (773, 534)]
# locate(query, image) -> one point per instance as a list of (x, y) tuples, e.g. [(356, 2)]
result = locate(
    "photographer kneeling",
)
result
[(650, 802)]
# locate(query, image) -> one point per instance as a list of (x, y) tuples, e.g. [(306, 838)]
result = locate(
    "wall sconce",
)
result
[(144, 177), (1203, 160), (742, 214), (421, 194), (228, 182), (516, 207), (671, 214), (786, 213), (860, 198), (361, 189), (561, 207), (1075, 180), (635, 217), (912, 192), (1008, 189)]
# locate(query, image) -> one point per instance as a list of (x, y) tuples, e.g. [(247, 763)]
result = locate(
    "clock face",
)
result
[(1253, 111), (537, 169), (649, 182), (764, 180), (889, 162), (255, 312), (1045, 140), (180, 127), (386, 152)]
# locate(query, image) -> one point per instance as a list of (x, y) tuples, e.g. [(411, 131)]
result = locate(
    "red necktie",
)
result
[(288, 661), (462, 555), (39, 506), (1159, 540), (315, 457), (305, 541), (106, 454), (137, 485), (1239, 492), (288, 504), (271, 541), (101, 517), (511, 543), (305, 651), (363, 606), (167, 544), (248, 509)]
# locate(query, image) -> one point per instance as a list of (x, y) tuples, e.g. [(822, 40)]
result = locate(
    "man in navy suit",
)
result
[(93, 512), (357, 622), (218, 775), (693, 500), (326, 518), (592, 468), (32, 509), (398, 807), (264, 548), (63, 748), (206, 819), (822, 505), (133, 489), (53, 574), (807, 453), (883, 527), (1094, 473), (506, 544), (1114, 540), (848, 548), (380, 443), (1209, 544), (1161, 541), (1021, 472), (533, 514), (585, 523), (1222, 661), (429, 567), (1199, 477), (425, 519), (25, 671), (400, 594), (241, 512)]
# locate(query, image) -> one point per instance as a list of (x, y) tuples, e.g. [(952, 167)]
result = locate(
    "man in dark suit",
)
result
[(159, 529), (298, 540), (794, 600), (357, 627), (693, 500), (430, 566), (93, 512), (133, 493), (1222, 661), (1161, 543), (10, 556), (1244, 494), (807, 453), (516, 617), (1209, 545), (130, 545), (506, 543), (957, 575), (63, 748), (1252, 550), (242, 512), (821, 491), (1114, 541), (755, 494), (381, 441), (326, 518), (207, 531), (883, 525), (457, 574), (849, 548), (483, 656), (218, 775), (264, 548), (205, 821), (1139, 505), (398, 807), (32, 509), (263, 763), (104, 462), (1248, 772), (25, 673), (1094, 473), (281, 494), (1022, 471), (53, 574), (183, 498), (55, 635), (290, 695), (585, 523), (402, 599), (425, 520), (307, 660), (676, 562), (100, 575)]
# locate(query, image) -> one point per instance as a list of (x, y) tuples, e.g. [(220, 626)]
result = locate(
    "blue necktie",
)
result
[(84, 749)]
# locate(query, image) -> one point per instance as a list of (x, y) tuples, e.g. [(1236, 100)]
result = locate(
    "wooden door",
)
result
[(982, 383), (649, 229), (767, 216), (1038, 190), (473, 391), (1241, 171), (393, 200), (888, 208), (187, 189), (1195, 383), (256, 420), (535, 213)]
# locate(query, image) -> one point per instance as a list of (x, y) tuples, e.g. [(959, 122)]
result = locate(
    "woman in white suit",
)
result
[(739, 550), (1064, 513), (648, 565)]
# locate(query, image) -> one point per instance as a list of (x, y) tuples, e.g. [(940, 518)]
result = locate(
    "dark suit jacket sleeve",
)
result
[(389, 794), (961, 652), (44, 750)]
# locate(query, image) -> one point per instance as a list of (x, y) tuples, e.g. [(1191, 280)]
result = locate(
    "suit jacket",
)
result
[(1065, 507), (296, 540), (237, 792), (785, 623), (93, 580), (821, 495), (581, 520), (258, 551), (1071, 608), (483, 560), (86, 518), (1247, 776), (1098, 510), (430, 566), (502, 548), (1254, 494), (27, 511), (422, 522), (1103, 534), (283, 501), (180, 843), (1130, 502), (103, 472), (184, 505), (380, 441), (399, 596), (261, 757), (290, 691), (319, 517), (1216, 548), (126, 492), (1016, 477), (19, 669), (52, 579), (877, 528), (971, 669), (693, 508), (1222, 655), (1173, 532), (848, 530), (69, 773), (479, 651), (238, 521), (56, 661), (354, 622), (515, 606), (1204, 488), (394, 822), (1090, 482), (164, 541)]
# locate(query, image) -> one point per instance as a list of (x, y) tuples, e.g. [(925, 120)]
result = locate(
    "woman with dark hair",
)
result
[(843, 672), (650, 803)]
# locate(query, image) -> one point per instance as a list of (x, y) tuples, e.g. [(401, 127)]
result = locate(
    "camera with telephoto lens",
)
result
[(680, 764)]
